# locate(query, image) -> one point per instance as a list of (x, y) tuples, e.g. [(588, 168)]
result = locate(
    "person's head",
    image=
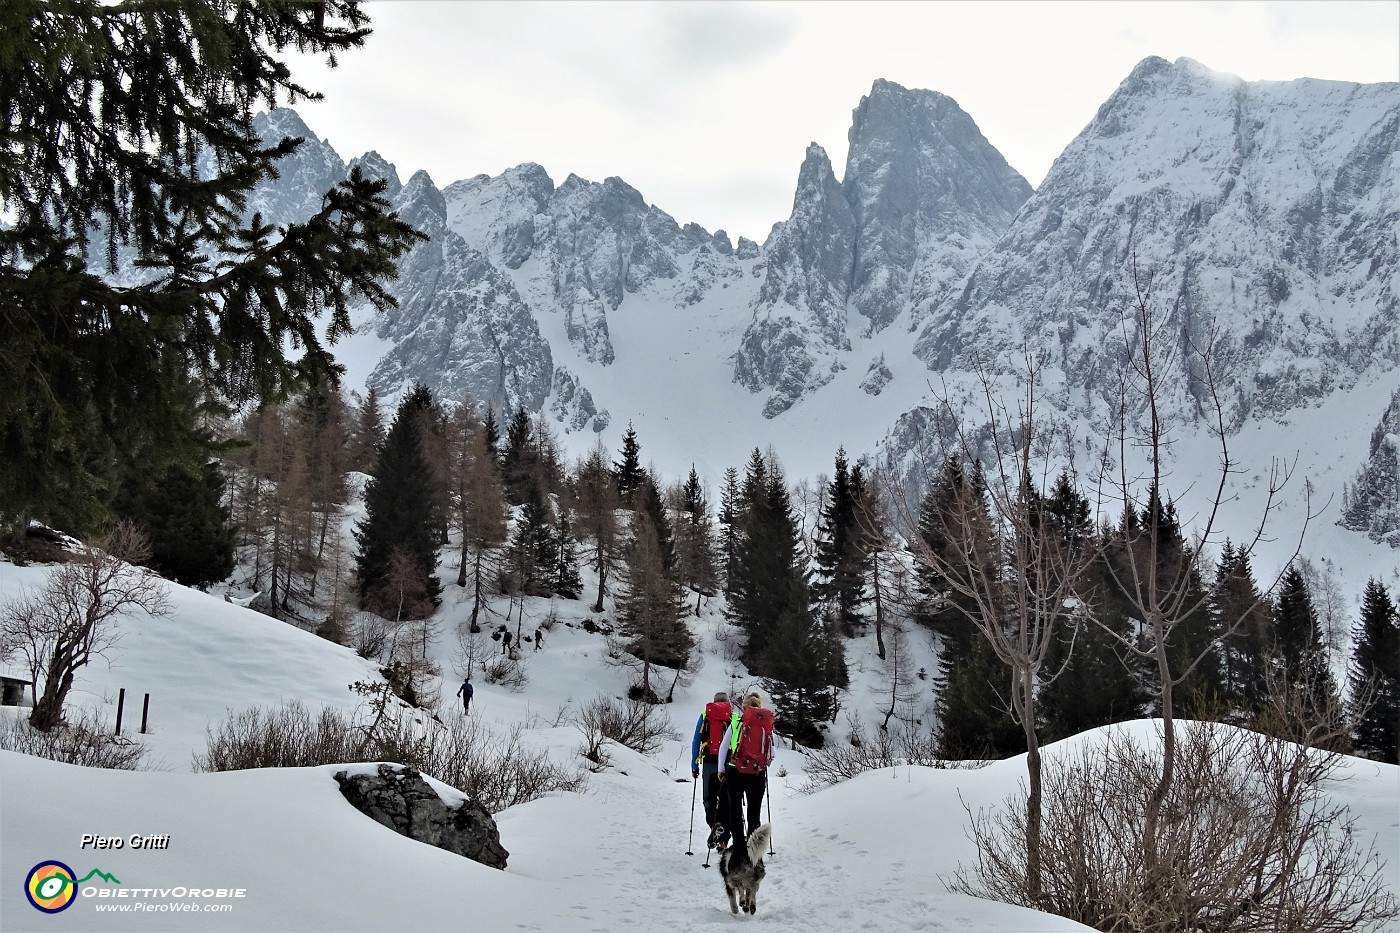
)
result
[(721, 697), (753, 698)]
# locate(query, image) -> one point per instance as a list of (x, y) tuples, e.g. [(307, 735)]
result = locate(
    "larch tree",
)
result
[(596, 500), (478, 508), (651, 610)]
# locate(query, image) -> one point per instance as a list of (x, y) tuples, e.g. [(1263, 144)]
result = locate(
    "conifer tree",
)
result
[(517, 466), (128, 131), (799, 665), (1194, 638), (532, 553), (768, 555), (627, 472), (478, 503), (567, 582), (366, 434), (695, 546), (1302, 655), (729, 522), (595, 494), (1373, 677), (651, 610), (321, 419), (1249, 650), (184, 518), (952, 494), (492, 431), (397, 537), (648, 500), (840, 560), (1094, 686)]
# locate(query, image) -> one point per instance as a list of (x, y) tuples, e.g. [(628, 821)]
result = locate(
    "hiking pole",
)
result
[(768, 792), (690, 841)]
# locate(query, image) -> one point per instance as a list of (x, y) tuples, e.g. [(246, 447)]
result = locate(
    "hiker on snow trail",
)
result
[(465, 692), (745, 753), (704, 753)]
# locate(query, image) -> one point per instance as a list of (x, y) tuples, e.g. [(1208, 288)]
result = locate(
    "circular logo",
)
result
[(51, 887)]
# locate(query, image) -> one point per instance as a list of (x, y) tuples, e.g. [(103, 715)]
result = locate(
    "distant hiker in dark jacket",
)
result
[(745, 753), (539, 638), (505, 646), (465, 692), (704, 754)]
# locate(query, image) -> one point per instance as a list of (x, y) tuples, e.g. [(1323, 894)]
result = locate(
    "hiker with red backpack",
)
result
[(745, 753), (704, 754)]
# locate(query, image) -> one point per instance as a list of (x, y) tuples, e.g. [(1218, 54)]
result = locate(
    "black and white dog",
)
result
[(743, 871)]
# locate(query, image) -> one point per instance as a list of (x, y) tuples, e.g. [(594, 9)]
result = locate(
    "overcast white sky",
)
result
[(706, 108)]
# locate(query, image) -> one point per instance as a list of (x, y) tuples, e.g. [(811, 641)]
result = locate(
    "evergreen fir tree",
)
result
[(567, 582), (728, 522), (135, 125), (366, 434), (518, 459), (840, 559), (397, 534), (491, 432), (1302, 655), (974, 719), (627, 472), (649, 501), (1373, 677), (1195, 634), (1249, 650), (695, 545), (1094, 687), (184, 518), (533, 552), (953, 509), (768, 555), (799, 666)]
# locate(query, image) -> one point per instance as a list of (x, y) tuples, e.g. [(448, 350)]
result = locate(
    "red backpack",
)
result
[(755, 748), (717, 718)]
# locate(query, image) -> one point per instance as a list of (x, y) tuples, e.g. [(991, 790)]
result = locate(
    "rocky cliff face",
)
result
[(1259, 219), (924, 194), (1249, 215)]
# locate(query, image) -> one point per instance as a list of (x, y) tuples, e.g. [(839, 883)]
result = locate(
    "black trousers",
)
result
[(712, 787), (743, 792)]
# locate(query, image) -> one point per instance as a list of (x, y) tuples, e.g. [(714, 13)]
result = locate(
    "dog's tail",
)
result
[(758, 842)]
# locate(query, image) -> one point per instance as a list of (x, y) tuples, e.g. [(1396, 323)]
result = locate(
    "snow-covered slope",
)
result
[(610, 857)]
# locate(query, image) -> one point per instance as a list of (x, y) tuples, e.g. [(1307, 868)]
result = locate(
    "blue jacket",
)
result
[(695, 742)]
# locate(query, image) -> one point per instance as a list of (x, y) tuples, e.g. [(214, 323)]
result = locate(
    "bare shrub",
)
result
[(505, 671), (837, 761), (497, 770), (285, 737), (84, 741), (1248, 841), (636, 724)]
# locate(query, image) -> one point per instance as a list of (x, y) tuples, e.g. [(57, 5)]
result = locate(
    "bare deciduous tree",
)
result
[(1018, 595), (1161, 590), (61, 628)]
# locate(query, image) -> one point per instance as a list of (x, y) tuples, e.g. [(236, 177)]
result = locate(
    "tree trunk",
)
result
[(879, 612), (1152, 814)]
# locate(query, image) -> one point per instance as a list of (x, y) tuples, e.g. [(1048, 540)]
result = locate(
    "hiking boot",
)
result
[(718, 837)]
